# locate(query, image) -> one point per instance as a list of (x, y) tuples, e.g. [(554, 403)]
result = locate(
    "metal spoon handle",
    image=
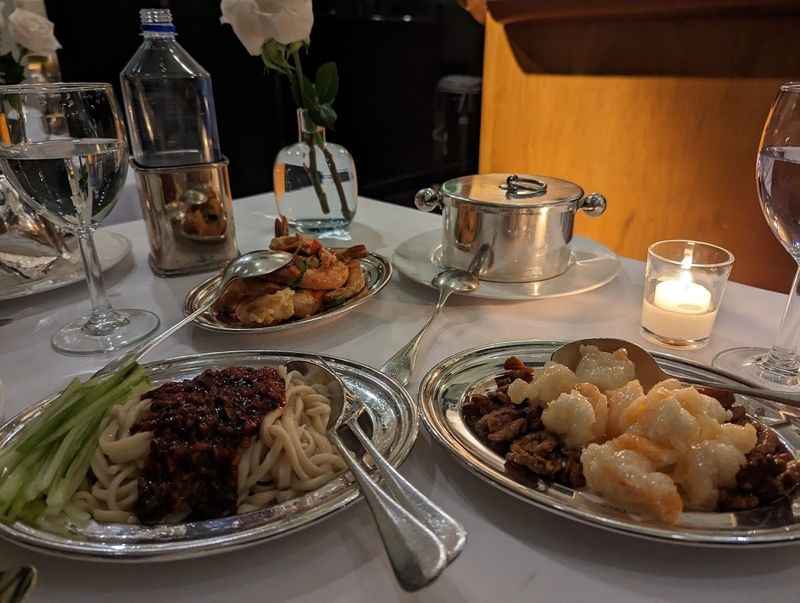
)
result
[(416, 555), (787, 398), (448, 530), (401, 365), (143, 348)]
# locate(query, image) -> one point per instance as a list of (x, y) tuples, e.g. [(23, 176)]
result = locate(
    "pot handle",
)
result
[(593, 204), (428, 199)]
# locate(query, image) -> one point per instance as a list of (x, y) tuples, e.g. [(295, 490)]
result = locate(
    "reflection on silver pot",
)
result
[(526, 221), (189, 217)]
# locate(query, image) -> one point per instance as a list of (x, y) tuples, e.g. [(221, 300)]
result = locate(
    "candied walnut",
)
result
[(515, 369), (513, 363), (542, 454), (499, 397), (789, 479), (509, 431), (476, 407), (738, 415), (767, 441), (732, 501)]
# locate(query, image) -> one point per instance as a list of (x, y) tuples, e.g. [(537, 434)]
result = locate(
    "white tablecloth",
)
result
[(515, 552)]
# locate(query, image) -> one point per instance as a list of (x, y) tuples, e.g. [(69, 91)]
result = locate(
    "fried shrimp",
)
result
[(353, 286), (629, 480), (328, 274), (316, 278), (307, 302), (267, 309)]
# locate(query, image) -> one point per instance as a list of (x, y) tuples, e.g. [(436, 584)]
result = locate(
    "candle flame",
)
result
[(685, 276)]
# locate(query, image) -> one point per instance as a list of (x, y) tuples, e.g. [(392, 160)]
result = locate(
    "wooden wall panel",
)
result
[(673, 153)]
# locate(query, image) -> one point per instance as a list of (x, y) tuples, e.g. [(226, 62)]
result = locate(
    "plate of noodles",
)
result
[(321, 283), (677, 463), (205, 454)]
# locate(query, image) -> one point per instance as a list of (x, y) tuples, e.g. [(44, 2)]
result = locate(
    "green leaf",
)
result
[(11, 70), (327, 82), (309, 94), (273, 54), (324, 115)]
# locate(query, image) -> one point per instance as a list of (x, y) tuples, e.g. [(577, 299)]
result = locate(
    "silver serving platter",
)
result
[(395, 424), (448, 384), (377, 274)]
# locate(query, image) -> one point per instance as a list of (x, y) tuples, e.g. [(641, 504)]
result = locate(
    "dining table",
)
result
[(514, 552)]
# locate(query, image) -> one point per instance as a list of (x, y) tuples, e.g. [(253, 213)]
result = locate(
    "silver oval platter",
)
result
[(377, 274), (395, 424), (448, 384)]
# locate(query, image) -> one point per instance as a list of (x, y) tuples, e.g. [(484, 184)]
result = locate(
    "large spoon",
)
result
[(649, 373), (401, 365), (249, 265), (452, 534), (417, 555)]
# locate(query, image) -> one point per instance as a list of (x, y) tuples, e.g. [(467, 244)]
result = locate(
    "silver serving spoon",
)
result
[(255, 263), (452, 534), (417, 555), (401, 365), (649, 373)]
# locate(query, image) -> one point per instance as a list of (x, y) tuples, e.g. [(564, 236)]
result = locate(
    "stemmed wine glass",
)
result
[(63, 149), (778, 179)]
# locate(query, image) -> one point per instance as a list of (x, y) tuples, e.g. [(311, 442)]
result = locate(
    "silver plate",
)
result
[(395, 424), (449, 383), (112, 248), (377, 274), (592, 265)]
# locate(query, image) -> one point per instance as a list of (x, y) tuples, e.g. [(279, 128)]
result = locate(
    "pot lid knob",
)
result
[(523, 187)]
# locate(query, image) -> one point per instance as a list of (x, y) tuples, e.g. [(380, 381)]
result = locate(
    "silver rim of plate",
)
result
[(395, 425), (112, 248), (377, 273), (448, 384), (592, 265)]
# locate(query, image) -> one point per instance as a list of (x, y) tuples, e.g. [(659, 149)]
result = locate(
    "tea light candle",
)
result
[(682, 295), (680, 310), (677, 310)]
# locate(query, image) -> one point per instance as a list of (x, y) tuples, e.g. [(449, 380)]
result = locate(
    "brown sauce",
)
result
[(199, 427)]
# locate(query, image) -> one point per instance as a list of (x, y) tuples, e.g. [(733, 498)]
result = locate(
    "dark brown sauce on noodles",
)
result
[(199, 427)]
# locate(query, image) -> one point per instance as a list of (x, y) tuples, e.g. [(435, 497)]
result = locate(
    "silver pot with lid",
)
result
[(524, 221)]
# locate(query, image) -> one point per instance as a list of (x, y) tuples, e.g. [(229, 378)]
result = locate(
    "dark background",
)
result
[(390, 55)]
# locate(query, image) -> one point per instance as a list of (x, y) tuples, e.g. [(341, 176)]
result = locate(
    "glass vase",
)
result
[(315, 183)]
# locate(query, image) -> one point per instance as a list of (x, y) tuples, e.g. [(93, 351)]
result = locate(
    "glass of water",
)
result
[(63, 149), (778, 180)]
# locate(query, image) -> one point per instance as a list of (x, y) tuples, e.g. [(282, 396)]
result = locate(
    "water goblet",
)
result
[(778, 180), (63, 149)]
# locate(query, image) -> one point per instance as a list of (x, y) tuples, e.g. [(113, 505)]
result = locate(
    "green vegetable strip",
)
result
[(70, 395), (76, 472), (106, 401), (87, 394), (16, 481), (50, 457)]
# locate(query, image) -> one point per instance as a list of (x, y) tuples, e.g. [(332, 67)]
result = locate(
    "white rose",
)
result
[(32, 31), (256, 21)]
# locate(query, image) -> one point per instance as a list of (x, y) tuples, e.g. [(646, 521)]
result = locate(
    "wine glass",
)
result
[(778, 179), (63, 149)]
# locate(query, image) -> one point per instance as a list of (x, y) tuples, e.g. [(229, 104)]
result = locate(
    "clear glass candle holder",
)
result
[(683, 287)]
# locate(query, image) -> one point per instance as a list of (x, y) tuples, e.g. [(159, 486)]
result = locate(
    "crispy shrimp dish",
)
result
[(317, 279), (654, 453)]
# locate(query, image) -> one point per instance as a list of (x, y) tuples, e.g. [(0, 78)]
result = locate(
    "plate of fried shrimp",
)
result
[(319, 284)]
